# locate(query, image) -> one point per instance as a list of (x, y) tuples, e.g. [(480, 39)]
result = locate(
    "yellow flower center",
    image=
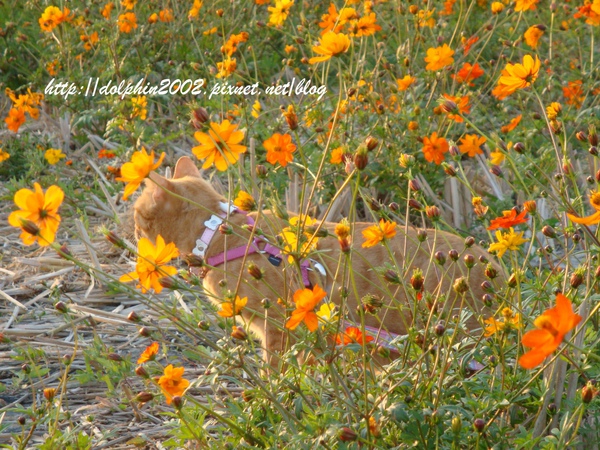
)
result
[(595, 199)]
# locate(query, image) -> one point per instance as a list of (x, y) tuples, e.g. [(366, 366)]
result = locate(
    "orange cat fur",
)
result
[(158, 212)]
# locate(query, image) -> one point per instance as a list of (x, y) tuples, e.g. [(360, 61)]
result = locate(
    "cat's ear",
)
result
[(186, 167), (163, 185)]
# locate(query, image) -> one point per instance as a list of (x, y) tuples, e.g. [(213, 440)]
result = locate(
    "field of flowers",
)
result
[(476, 118)]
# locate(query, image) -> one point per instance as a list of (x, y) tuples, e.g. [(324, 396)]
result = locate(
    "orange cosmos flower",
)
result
[(107, 10), (279, 149), (377, 233), (226, 68), (172, 383), (151, 264), (525, 5), (15, 118), (166, 15), (3, 155), (149, 354), (195, 10), (127, 22), (462, 107), (434, 148), (552, 326), (233, 308), (405, 83), (134, 172), (512, 125), (594, 218), (306, 300), (365, 26), (53, 17), (331, 44), (574, 93), (439, 57), (39, 208), (509, 219), (221, 146), (26, 102), (533, 35), (353, 335), (471, 144), (517, 76), (591, 11), (468, 73), (468, 43)]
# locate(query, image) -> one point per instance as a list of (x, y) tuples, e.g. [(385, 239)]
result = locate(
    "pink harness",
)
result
[(212, 225)]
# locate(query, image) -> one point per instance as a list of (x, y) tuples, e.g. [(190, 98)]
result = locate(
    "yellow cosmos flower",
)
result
[(39, 208), (511, 321), (299, 243), (306, 300), (54, 155), (3, 155), (497, 157), (525, 5), (151, 264), (279, 12), (221, 146), (233, 308), (256, 108), (405, 83), (134, 172), (245, 201), (331, 44), (149, 354), (507, 241), (172, 383), (327, 313), (594, 218), (553, 110), (517, 76), (139, 104), (53, 17), (377, 233), (439, 57)]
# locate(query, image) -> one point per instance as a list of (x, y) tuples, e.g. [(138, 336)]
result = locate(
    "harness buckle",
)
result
[(200, 248), (275, 260), (214, 222)]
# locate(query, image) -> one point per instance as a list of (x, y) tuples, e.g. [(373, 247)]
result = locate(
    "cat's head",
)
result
[(169, 207)]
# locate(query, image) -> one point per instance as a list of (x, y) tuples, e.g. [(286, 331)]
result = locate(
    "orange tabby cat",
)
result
[(179, 221)]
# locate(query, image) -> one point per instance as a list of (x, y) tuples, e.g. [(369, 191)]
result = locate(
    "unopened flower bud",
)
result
[(261, 171), (361, 158), (495, 170), (168, 283), (371, 143), (469, 261), (49, 394), (440, 258), (422, 235), (576, 238), (391, 277), (417, 280), (449, 169), (530, 206), (453, 254), (204, 325), (114, 239), (345, 245), (29, 227), (576, 279), (581, 136), (414, 204), (479, 425), (487, 286), (414, 185), (548, 231), (449, 107), (394, 206), (22, 420), (144, 331), (238, 333), (346, 434), (454, 151), (519, 147), (440, 329), (61, 307), (199, 117), (115, 357), (64, 252), (133, 317), (469, 241), (512, 280), (487, 300), (254, 271), (588, 392), (593, 150), (592, 136), (483, 259), (193, 260), (432, 212), (177, 402), (144, 397), (460, 285), (456, 420), (26, 368), (140, 371)]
